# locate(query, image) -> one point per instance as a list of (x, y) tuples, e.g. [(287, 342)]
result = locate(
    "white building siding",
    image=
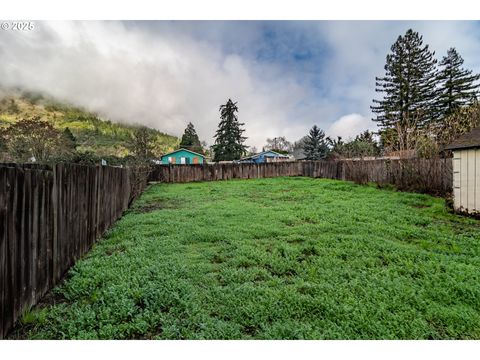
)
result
[(477, 180), (466, 179), (456, 179)]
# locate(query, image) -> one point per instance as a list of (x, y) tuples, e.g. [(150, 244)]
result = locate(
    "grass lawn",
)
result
[(282, 258)]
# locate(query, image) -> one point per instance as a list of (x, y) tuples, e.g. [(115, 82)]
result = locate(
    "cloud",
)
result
[(286, 76), (161, 79), (349, 126)]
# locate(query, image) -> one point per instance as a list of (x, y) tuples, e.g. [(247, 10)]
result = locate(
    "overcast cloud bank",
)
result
[(286, 76)]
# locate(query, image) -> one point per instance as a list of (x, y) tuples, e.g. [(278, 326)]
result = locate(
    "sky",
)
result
[(285, 76)]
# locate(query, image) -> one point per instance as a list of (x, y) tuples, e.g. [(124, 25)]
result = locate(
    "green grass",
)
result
[(284, 258)]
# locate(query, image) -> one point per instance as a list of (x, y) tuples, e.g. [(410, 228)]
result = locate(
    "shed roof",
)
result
[(182, 149), (468, 140)]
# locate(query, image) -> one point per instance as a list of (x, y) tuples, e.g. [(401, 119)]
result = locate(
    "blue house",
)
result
[(182, 156), (264, 157)]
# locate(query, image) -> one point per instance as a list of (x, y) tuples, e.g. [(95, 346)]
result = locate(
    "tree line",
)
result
[(421, 97), (425, 105), (229, 141), (37, 140)]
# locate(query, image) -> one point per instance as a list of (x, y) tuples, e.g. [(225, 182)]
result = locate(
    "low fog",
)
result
[(165, 75)]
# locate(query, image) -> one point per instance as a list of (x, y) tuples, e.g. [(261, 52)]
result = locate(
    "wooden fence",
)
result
[(182, 173), (49, 218), (432, 176)]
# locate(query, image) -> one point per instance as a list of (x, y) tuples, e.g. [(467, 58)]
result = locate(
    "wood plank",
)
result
[(25, 254), (9, 305), (477, 181), (32, 183), (463, 179), (42, 258), (471, 180), (3, 247), (17, 259), (49, 229)]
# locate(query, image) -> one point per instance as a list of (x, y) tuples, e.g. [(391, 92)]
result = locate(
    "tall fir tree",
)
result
[(409, 85), (228, 138), (315, 145), (190, 140), (458, 86)]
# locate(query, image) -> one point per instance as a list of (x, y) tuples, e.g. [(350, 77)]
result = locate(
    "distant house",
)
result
[(466, 171), (299, 154), (183, 157), (264, 157)]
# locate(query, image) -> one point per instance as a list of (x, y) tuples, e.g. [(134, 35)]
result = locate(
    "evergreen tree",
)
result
[(190, 140), (228, 138), (363, 145), (409, 85), (457, 84), (315, 145), (70, 139)]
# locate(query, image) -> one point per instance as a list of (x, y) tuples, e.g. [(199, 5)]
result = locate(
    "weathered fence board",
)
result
[(49, 217)]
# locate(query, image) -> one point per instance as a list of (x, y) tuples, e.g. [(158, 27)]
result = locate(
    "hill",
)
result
[(93, 134)]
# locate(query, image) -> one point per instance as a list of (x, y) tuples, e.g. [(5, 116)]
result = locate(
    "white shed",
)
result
[(466, 171)]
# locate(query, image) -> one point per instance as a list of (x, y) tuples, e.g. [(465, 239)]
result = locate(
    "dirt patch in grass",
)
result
[(467, 227), (249, 330), (218, 259), (116, 250), (52, 298), (158, 205), (36, 316)]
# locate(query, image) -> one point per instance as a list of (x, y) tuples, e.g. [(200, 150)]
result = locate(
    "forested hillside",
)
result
[(92, 134)]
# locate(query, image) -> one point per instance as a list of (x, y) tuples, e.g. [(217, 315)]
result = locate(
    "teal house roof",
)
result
[(183, 150)]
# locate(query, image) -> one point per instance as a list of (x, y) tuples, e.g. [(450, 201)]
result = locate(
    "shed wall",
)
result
[(466, 180)]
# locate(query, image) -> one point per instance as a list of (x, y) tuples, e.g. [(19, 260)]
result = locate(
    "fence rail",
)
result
[(49, 218)]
